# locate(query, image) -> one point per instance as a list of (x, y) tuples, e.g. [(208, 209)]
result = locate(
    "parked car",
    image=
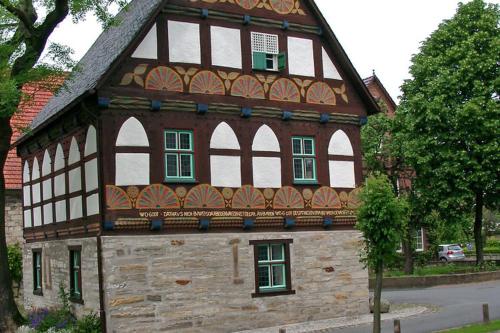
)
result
[(450, 252)]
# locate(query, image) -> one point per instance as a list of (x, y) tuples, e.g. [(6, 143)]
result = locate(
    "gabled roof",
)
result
[(110, 45), (373, 81)]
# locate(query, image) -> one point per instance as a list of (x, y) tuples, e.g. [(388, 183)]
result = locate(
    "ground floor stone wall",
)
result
[(205, 282), (55, 272), (14, 218)]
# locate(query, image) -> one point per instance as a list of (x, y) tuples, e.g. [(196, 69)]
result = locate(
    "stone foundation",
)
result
[(204, 282), (14, 218), (55, 270)]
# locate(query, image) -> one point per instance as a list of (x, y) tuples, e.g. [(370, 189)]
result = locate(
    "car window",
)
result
[(454, 248), (440, 249)]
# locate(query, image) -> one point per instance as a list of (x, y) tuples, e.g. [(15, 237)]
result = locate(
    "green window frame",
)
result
[(37, 272), (75, 273), (304, 160), (179, 156), (265, 52), (272, 267)]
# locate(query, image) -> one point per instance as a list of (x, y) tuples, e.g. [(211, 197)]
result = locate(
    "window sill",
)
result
[(38, 292), (180, 181), (76, 300), (273, 293), (305, 182)]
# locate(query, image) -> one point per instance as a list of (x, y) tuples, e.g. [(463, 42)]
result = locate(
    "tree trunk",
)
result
[(9, 314), (478, 228), (377, 295), (408, 254)]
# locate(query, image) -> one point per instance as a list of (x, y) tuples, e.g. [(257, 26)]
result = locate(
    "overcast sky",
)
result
[(378, 35)]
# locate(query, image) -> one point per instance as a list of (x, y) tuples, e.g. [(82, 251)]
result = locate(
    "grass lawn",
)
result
[(477, 328), (439, 270)]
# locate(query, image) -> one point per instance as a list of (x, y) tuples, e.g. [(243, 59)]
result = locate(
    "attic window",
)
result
[(265, 52)]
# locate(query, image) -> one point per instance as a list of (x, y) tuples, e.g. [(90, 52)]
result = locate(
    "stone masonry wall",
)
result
[(14, 218), (204, 282), (55, 269)]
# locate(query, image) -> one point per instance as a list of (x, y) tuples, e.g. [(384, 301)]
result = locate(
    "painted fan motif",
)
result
[(164, 78), (206, 82), (288, 198), (116, 198), (321, 93), (326, 197), (284, 90), (248, 197), (282, 6), (354, 200), (247, 4), (248, 87), (157, 196), (204, 196)]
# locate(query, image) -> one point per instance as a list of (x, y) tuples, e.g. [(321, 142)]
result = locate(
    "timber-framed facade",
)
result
[(205, 164)]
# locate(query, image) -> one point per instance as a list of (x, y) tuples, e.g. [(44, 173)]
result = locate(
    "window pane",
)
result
[(262, 253), (308, 147), (171, 161), (279, 276), (277, 252), (297, 168), (185, 141), (264, 278), (309, 168), (186, 166), (297, 146), (170, 140)]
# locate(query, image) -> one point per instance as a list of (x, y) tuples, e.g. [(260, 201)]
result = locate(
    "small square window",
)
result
[(265, 52), (304, 160), (179, 156)]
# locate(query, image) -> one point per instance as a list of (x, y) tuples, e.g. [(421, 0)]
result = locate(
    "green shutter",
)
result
[(259, 60), (282, 61)]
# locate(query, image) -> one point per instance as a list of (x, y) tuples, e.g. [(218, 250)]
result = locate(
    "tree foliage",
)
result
[(452, 116)]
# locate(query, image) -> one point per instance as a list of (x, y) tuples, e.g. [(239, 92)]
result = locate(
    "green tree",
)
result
[(452, 117), (23, 38), (379, 219)]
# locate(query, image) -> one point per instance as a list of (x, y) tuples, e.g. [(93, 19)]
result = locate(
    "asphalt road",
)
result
[(458, 305)]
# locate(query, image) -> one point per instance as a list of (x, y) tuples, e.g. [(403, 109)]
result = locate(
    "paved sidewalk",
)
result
[(323, 326)]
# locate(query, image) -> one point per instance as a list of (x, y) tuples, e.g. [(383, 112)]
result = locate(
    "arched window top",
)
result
[(91, 141), (132, 134), (224, 137), (26, 172), (59, 158), (74, 152), (340, 144), (46, 164), (265, 140), (36, 170)]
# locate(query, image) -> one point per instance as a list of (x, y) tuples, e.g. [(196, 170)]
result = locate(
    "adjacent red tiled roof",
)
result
[(38, 97)]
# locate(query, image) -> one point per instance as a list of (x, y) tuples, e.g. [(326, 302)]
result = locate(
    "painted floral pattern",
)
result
[(248, 197), (164, 78), (288, 198), (248, 87), (206, 82), (204, 196), (117, 199), (282, 6), (157, 196), (321, 93), (284, 90), (326, 197)]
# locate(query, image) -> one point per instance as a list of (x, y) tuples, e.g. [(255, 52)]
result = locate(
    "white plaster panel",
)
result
[(184, 42), (27, 195), (26, 172), (61, 211), (93, 204), (59, 158), (342, 174), (47, 189), (226, 47), (265, 140), (224, 137), (91, 175), (132, 169), (266, 172), (36, 193), (46, 164), (74, 152), (132, 134), (225, 171), (91, 141), (48, 216), (329, 69), (36, 170), (37, 216), (75, 180), (300, 56), (60, 185), (27, 219), (340, 144), (75, 208), (148, 48)]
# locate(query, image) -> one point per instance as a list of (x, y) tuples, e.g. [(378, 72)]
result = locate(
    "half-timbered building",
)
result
[(199, 172)]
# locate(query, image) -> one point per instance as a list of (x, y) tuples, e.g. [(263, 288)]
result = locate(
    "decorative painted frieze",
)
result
[(282, 7)]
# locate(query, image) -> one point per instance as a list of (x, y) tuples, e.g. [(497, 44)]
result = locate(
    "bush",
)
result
[(15, 256), (88, 324)]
